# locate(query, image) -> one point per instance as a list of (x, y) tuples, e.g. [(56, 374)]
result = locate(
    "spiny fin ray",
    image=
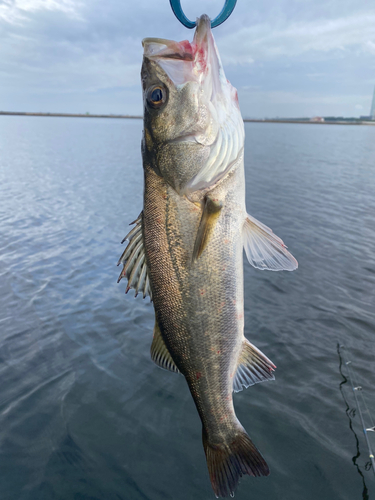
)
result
[(134, 261)]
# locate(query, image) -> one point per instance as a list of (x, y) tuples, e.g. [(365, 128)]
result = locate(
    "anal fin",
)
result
[(159, 352), (253, 367), (210, 214)]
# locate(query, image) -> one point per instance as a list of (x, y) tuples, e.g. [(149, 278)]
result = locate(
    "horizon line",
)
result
[(340, 120)]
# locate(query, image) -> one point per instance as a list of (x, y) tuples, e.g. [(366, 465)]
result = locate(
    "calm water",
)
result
[(84, 413)]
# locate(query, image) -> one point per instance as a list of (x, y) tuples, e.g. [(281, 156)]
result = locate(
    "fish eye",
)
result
[(156, 96)]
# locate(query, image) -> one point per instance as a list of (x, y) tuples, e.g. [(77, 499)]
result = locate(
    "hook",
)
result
[(223, 16)]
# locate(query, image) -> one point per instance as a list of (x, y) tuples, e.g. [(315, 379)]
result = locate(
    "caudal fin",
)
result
[(228, 462)]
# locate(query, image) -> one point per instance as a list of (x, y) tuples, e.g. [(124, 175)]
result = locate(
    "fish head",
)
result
[(193, 129)]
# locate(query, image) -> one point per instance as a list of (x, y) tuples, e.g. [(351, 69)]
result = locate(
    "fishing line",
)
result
[(358, 389), (350, 413)]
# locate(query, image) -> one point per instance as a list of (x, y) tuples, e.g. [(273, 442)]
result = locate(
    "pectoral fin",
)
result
[(133, 259), (264, 249), (253, 367), (159, 352), (210, 214)]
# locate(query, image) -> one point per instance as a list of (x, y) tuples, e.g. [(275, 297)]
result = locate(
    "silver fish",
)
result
[(186, 249)]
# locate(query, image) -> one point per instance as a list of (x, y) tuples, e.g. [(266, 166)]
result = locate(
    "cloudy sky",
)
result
[(286, 57)]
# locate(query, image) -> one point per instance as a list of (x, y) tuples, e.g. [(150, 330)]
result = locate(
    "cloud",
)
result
[(370, 46), (260, 104), (264, 41), (53, 46), (57, 54), (15, 12)]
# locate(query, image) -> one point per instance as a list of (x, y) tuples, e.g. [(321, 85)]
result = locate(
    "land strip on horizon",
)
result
[(253, 120)]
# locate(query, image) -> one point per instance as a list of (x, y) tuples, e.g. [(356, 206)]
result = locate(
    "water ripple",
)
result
[(84, 413)]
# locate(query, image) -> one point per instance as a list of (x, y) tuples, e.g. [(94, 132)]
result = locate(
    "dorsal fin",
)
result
[(253, 367), (159, 352), (210, 214), (134, 261)]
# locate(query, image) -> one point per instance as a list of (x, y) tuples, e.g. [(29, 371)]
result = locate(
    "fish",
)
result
[(185, 250)]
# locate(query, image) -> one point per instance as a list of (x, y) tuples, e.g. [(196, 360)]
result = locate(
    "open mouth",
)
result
[(184, 61), (155, 48)]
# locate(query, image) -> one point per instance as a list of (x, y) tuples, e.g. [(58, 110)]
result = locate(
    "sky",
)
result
[(287, 58)]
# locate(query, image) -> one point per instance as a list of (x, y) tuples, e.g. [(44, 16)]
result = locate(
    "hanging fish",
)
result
[(186, 249)]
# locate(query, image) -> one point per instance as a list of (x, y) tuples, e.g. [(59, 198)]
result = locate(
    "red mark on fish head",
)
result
[(186, 46), (235, 97), (199, 54)]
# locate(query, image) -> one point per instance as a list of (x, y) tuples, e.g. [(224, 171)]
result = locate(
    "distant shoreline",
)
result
[(68, 115), (310, 122), (246, 120)]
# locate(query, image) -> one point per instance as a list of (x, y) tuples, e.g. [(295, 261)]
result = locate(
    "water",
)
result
[(84, 413)]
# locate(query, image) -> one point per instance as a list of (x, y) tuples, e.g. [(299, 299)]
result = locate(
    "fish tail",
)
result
[(228, 462)]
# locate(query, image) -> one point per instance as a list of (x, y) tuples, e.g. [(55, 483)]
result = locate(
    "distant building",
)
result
[(317, 119)]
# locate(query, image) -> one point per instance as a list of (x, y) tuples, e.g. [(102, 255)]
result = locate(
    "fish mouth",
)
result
[(157, 48), (186, 51), (185, 61)]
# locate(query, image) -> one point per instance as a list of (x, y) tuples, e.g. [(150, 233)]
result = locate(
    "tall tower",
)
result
[(372, 112)]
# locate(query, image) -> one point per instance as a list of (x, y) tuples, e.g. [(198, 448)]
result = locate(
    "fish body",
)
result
[(186, 250), (198, 305)]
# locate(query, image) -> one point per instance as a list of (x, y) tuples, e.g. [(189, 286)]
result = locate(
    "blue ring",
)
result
[(223, 16)]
